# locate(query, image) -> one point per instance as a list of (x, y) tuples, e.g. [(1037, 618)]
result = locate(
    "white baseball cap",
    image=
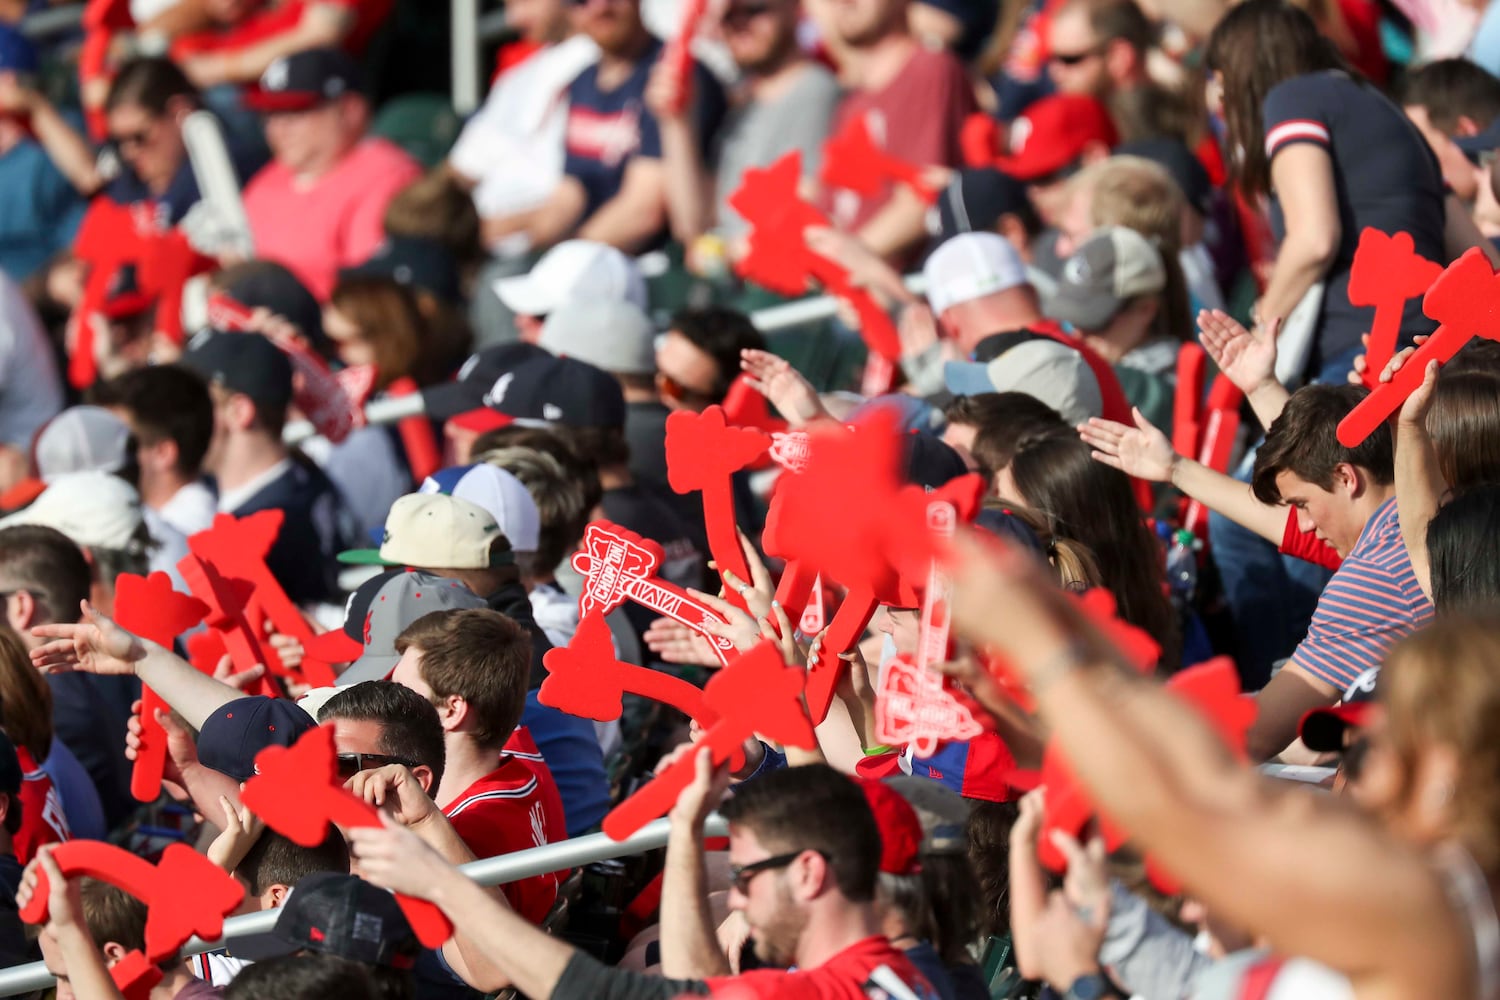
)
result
[(499, 493), (616, 337), (81, 439), (573, 271), (95, 509), (971, 266), (434, 531)]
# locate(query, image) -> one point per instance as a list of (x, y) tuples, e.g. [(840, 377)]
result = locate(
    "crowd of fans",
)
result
[(232, 281)]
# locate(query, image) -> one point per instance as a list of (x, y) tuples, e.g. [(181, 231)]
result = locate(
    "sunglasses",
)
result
[(1074, 58), (676, 391), (351, 764), (126, 140), (740, 876)]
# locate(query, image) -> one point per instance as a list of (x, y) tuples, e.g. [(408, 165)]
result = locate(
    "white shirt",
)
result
[(30, 390), (512, 149), (191, 509), (232, 500)]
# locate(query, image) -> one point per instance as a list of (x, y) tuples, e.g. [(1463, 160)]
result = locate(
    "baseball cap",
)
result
[(970, 266), (1110, 268), (436, 530), (268, 285), (498, 493), (10, 769), (976, 199), (1322, 729), (485, 374), (930, 463), (382, 609), (613, 336), (237, 731), (344, 915), (94, 509), (1480, 142), (548, 390), (573, 271), (1043, 368), (1053, 132), (243, 362), (418, 263), (304, 80), (1173, 156), (17, 54), (975, 769), (900, 829), (124, 298), (82, 439)]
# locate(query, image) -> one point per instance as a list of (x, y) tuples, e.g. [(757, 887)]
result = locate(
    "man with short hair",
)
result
[(1099, 47), (1448, 100), (699, 356), (473, 666), (171, 417), (320, 204), (804, 852), (274, 864), (250, 383), (1347, 496)]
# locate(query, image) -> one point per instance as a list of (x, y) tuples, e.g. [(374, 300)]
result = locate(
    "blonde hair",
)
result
[(1073, 562), (1440, 688)]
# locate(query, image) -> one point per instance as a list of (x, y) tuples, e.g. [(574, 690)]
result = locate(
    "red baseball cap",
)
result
[(900, 829), (1053, 132)]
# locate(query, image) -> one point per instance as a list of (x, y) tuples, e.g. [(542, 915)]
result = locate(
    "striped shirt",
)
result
[(1372, 600)]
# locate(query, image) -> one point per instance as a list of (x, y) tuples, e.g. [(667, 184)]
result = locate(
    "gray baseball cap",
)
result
[(1046, 369), (384, 606), (1110, 268), (613, 336)]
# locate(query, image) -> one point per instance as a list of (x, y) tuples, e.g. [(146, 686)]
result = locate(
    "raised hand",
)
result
[(674, 642), (394, 858), (241, 829), (783, 386), (1141, 451), (1247, 357), (397, 791), (95, 645), (703, 796)]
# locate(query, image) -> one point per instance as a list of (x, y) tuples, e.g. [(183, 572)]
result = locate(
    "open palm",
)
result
[(95, 645), (1247, 357), (1141, 451)]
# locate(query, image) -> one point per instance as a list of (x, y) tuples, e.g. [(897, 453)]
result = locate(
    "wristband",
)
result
[(876, 751)]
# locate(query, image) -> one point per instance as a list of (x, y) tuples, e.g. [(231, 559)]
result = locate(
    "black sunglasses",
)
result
[(1074, 58), (740, 876), (127, 139), (351, 764)]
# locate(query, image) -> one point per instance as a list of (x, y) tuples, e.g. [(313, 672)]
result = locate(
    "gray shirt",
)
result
[(760, 132)]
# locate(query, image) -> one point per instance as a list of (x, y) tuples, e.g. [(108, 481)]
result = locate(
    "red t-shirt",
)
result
[(918, 116), (1306, 545), (842, 976), (42, 819), (269, 22), (514, 808)]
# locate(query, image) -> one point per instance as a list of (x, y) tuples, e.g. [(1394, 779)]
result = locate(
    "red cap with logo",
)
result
[(1054, 132), (900, 829)]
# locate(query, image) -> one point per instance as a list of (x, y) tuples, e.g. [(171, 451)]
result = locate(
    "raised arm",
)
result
[(1144, 452), (96, 645), (689, 942), (1247, 358), (1419, 482), (689, 189), (1155, 766)]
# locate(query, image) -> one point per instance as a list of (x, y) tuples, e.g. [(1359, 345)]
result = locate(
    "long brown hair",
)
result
[(1464, 423), (1256, 46), (387, 317), (1440, 688), (27, 700)]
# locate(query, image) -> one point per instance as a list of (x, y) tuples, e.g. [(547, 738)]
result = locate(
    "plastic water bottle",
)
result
[(1182, 566)]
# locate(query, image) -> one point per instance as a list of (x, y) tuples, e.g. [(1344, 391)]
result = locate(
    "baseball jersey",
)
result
[(42, 820)]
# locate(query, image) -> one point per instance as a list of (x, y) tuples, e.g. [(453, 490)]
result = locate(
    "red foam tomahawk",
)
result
[(677, 55), (185, 895), (852, 160), (756, 693), (298, 792), (702, 454), (149, 607), (779, 258), (1387, 270), (228, 631), (914, 704), (237, 547), (1465, 301), (618, 566)]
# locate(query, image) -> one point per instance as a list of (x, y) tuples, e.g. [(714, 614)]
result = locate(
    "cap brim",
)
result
[(363, 557), (1083, 309), (1473, 145), (271, 101), (368, 668), (1322, 729), (521, 296), (967, 378), (448, 400), (1030, 168)]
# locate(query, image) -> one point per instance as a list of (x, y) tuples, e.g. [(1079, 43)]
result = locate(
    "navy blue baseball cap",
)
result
[(17, 54), (233, 735)]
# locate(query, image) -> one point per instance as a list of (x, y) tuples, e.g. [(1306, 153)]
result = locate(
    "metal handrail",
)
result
[(490, 871)]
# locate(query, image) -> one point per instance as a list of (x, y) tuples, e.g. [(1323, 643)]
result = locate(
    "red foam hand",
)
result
[(185, 895), (585, 679), (167, 263), (703, 452), (619, 565), (225, 313), (320, 394), (756, 693), (1387, 270), (914, 706), (677, 56), (237, 547), (979, 140), (851, 159), (908, 538), (107, 238), (1465, 300), (297, 791), (149, 607), (226, 599)]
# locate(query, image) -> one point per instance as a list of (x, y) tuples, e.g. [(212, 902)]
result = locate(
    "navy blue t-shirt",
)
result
[(316, 528), (1386, 178), (606, 129), (182, 193)]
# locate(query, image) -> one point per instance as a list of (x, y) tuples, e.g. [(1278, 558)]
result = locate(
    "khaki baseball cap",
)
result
[(435, 531)]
